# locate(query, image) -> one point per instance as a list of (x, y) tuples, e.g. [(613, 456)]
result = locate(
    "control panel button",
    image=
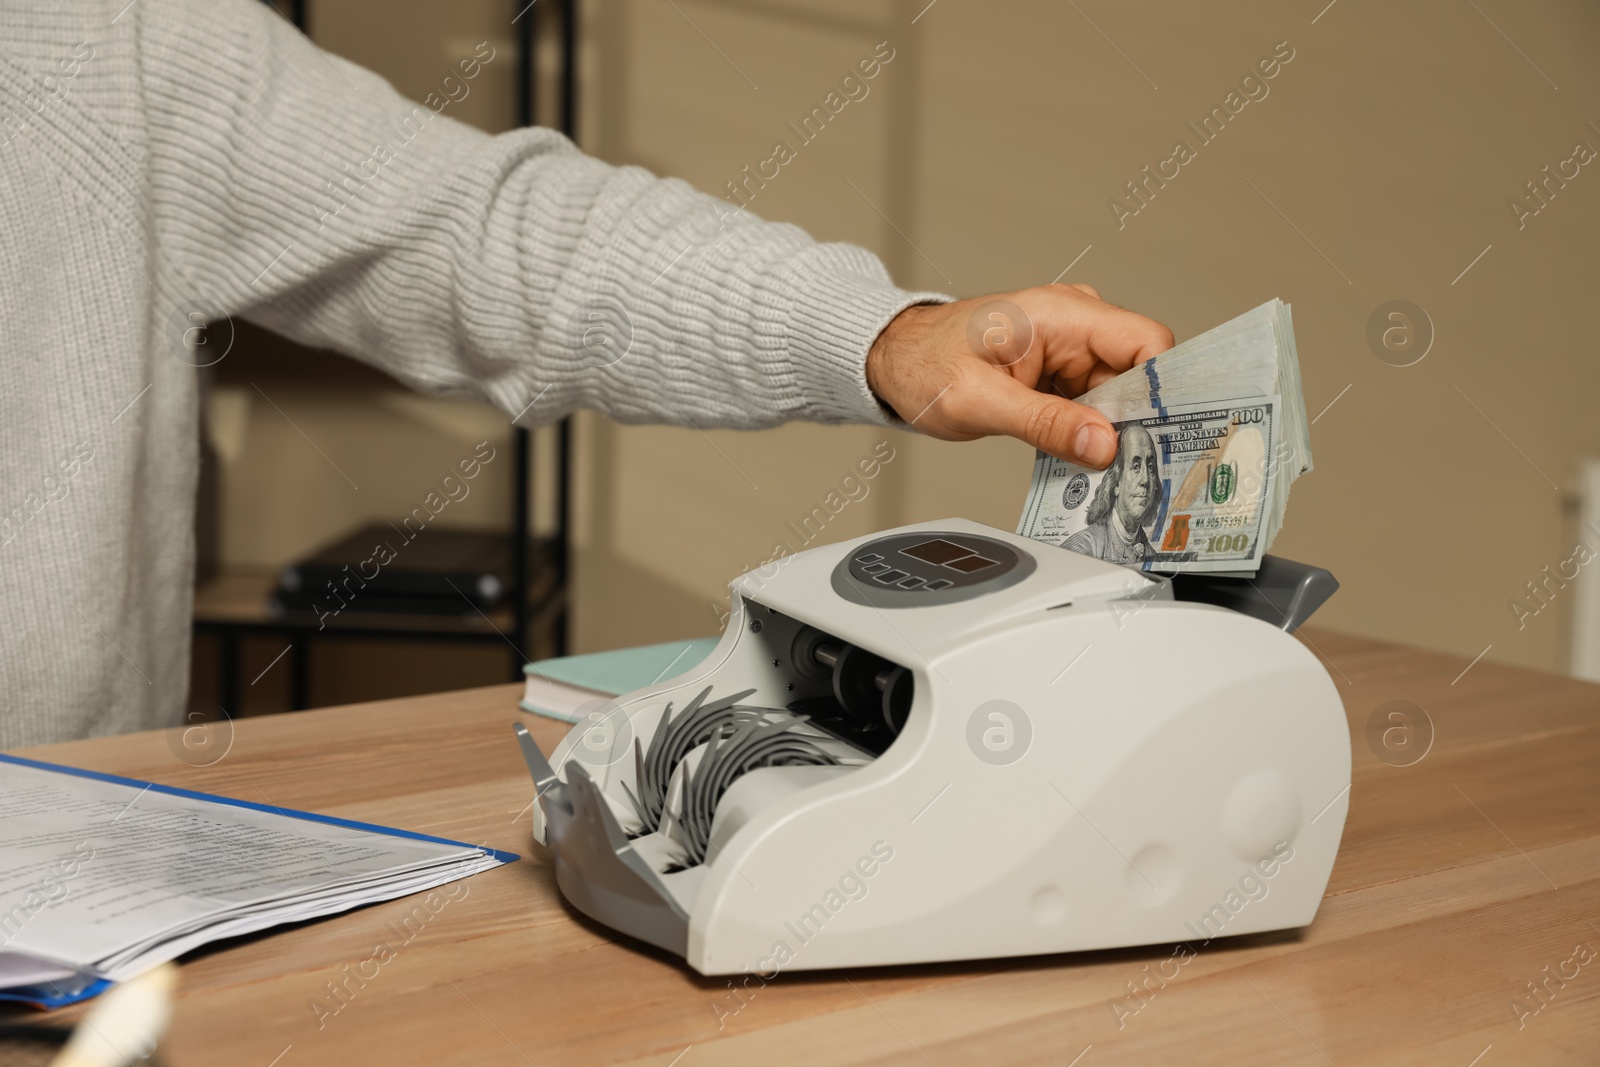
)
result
[(912, 582), (875, 568), (889, 577), (868, 557)]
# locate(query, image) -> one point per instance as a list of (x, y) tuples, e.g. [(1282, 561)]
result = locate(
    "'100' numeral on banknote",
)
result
[(1187, 491)]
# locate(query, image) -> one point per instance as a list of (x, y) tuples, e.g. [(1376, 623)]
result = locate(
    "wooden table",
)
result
[(1462, 876)]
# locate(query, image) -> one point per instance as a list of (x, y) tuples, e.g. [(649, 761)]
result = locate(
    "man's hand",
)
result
[(1010, 364)]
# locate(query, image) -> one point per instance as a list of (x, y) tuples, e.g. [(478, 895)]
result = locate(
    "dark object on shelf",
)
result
[(436, 572), (241, 605), (283, 605), (1283, 592)]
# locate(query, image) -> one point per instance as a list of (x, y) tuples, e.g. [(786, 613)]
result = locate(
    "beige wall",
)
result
[(1388, 148)]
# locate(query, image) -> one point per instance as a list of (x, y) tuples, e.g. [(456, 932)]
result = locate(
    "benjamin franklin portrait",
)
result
[(1125, 502)]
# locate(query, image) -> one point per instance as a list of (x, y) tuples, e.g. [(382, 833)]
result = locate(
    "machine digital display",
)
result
[(934, 567), (949, 554), (938, 551)]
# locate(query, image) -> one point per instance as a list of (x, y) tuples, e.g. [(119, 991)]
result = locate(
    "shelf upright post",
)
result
[(569, 126)]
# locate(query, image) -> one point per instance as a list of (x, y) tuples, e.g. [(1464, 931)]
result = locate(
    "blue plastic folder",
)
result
[(56, 994), (70, 991), (618, 671)]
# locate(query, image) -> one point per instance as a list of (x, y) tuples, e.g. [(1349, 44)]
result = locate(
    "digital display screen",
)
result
[(929, 568), (937, 551)]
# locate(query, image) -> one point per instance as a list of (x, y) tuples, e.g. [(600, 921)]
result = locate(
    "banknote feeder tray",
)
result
[(949, 742)]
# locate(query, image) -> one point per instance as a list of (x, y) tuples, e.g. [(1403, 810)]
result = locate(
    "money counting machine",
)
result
[(950, 742)]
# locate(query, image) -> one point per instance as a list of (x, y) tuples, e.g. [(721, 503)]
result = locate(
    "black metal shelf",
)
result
[(233, 608)]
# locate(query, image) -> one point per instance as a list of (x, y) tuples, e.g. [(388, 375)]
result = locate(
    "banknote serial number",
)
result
[(1216, 522)]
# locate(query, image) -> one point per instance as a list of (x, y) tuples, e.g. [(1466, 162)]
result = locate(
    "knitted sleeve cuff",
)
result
[(842, 299)]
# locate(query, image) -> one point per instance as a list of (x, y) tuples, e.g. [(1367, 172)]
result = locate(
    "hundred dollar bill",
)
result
[(1191, 489)]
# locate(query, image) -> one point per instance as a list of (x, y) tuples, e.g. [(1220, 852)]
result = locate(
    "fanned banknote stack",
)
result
[(1210, 435)]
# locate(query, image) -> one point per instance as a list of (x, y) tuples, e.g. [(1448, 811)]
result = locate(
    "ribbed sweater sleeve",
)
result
[(303, 193), (165, 162)]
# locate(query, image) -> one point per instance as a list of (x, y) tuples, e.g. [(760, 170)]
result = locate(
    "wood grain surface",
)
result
[(1462, 877)]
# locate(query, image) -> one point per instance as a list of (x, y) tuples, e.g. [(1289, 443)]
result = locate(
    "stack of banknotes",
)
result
[(1210, 435)]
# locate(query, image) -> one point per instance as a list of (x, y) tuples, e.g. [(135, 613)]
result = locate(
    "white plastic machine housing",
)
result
[(1158, 772)]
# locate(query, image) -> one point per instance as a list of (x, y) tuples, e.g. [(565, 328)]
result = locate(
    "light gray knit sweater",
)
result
[(169, 160)]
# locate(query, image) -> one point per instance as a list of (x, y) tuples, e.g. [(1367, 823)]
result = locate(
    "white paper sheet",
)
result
[(107, 878)]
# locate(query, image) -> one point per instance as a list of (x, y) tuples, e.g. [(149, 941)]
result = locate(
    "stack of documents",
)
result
[(1210, 435), (102, 878)]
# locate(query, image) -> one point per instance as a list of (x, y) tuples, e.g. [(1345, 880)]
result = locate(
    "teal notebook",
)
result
[(611, 673)]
